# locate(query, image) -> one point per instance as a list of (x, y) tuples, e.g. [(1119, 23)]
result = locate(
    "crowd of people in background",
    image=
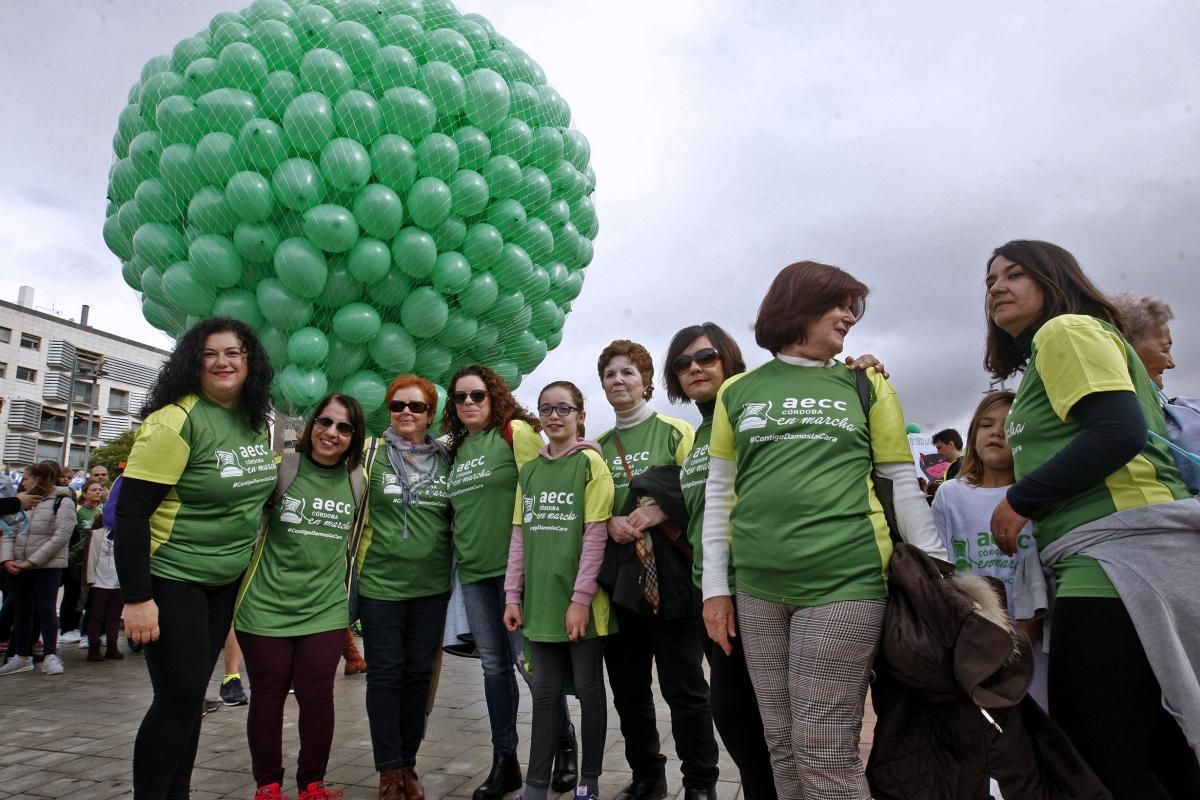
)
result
[(785, 542)]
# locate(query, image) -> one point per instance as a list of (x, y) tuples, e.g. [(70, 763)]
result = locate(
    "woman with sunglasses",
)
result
[(491, 438), (292, 609), (403, 580)]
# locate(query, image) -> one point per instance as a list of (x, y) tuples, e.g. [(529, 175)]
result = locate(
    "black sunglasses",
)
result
[(344, 428), (417, 406), (562, 409), (703, 357), (476, 396)]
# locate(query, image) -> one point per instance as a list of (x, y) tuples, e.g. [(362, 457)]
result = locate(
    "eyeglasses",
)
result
[(416, 406), (704, 358), (344, 428), (476, 395), (230, 353), (562, 409)]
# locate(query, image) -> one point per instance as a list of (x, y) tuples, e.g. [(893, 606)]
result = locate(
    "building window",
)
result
[(3, 370), (26, 374), (5, 335), (118, 399), (31, 342)]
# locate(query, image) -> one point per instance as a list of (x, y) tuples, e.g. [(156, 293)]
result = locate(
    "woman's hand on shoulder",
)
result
[(141, 621), (577, 621), (621, 531), (866, 361), (720, 622), (512, 617)]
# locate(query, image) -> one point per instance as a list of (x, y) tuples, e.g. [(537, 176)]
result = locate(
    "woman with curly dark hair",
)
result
[(491, 438), (190, 505)]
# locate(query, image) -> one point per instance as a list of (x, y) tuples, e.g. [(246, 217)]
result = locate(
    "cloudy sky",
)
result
[(900, 141)]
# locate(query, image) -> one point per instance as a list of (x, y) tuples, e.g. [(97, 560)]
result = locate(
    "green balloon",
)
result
[(429, 202), (129, 218), (487, 98), (302, 387), (514, 269), (507, 216), (547, 147), (912, 427), (281, 89), (177, 166), (479, 295), (503, 176), (131, 273), (157, 88), (459, 331), (445, 44), (215, 261), (414, 252), (583, 217), (340, 288), (186, 292), (367, 388), (157, 203), (545, 318), (226, 110), (392, 290), (404, 28), (356, 323), (176, 117), (326, 72), (274, 341), (379, 210), (526, 349), (218, 158), (228, 33), (451, 273), (345, 165), (344, 358), (209, 212), (468, 193), (308, 122), (553, 340), (408, 112), (394, 161), (524, 101), (568, 245), (355, 43), (263, 12), (301, 267), (508, 372), (162, 317), (159, 245), (483, 345), (369, 261), (249, 196), (393, 349), (433, 361), (122, 181), (298, 184), (537, 240), (437, 156), (512, 138), (507, 306), (312, 25), (535, 190), (281, 307), (567, 181), (203, 75), (424, 313), (116, 239), (261, 145), (576, 149), (256, 241), (331, 228), (442, 84), (474, 147), (308, 347), (538, 287), (144, 152), (152, 286), (483, 246), (244, 67), (357, 116), (239, 304), (278, 44), (450, 235)]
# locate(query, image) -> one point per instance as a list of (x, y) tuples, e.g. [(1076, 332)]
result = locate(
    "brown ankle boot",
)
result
[(392, 784), (354, 660), (413, 790), (113, 652)]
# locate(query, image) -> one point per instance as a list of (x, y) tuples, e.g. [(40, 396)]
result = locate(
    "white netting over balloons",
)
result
[(375, 186)]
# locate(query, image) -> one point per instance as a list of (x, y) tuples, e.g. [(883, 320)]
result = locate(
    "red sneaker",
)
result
[(272, 791), (317, 790)]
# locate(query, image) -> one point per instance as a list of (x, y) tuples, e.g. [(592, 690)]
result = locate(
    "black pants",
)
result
[(34, 592), (674, 646), (193, 621), (735, 713), (1105, 696), (552, 662), (69, 614)]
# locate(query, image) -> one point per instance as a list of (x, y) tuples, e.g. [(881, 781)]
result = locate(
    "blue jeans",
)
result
[(400, 640), (499, 651)]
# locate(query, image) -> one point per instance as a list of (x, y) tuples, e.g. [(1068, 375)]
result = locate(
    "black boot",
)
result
[(566, 764), (94, 652), (651, 788), (113, 652), (505, 777)]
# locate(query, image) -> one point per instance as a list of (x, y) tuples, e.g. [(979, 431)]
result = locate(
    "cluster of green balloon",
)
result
[(376, 186), (912, 427)]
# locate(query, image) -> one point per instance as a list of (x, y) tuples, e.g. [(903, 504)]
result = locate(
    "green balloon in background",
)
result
[(912, 428), (375, 186)]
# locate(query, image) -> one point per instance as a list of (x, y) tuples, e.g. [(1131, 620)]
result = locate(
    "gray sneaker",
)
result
[(17, 664), (52, 665)]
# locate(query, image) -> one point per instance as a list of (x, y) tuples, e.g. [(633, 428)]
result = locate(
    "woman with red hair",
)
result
[(403, 580)]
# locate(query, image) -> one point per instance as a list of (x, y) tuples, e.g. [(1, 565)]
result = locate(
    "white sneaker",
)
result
[(52, 665), (83, 643), (17, 664), (69, 637)]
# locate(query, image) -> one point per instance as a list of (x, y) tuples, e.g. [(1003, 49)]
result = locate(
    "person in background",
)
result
[(949, 445), (198, 475), (231, 692), (104, 594), (1147, 323), (70, 616), (1112, 520), (34, 560), (558, 541)]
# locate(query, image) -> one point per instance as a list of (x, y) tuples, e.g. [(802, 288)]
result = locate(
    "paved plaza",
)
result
[(71, 735)]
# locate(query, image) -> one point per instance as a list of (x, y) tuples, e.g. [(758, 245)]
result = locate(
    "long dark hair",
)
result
[(731, 356), (353, 454), (180, 376), (505, 407), (1065, 288)]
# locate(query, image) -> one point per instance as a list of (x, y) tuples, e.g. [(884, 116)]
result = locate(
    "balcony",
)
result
[(79, 429), (60, 355), (57, 387), (53, 425), (20, 450), (24, 415)]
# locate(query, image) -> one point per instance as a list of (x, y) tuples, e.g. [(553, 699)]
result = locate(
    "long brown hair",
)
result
[(1065, 288), (972, 466), (45, 473), (505, 407)]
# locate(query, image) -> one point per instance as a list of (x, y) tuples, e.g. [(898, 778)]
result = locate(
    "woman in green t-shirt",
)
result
[(189, 508), (1111, 518), (293, 606), (790, 496), (403, 581), (491, 438)]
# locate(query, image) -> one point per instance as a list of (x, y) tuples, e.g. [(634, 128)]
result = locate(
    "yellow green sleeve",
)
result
[(889, 442), (526, 442), (1076, 357), (598, 495), (159, 453), (721, 443)]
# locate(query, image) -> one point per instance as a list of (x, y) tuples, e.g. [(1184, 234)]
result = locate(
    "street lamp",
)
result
[(95, 375)]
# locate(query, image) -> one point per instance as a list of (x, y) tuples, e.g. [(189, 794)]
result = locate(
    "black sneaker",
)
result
[(232, 693), (210, 706)]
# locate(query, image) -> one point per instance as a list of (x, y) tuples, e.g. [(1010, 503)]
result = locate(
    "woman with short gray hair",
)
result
[(1147, 330)]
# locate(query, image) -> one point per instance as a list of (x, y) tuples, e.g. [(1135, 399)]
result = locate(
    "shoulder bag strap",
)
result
[(883, 486), (621, 453)]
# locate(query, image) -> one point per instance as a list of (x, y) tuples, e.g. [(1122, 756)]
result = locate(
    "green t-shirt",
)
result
[(807, 528), (557, 497), (652, 442), (481, 487), (1074, 356), (220, 471), (405, 548), (693, 478), (296, 584)]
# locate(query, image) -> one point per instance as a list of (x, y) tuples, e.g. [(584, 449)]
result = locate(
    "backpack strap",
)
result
[(507, 434), (289, 466), (883, 486), (358, 484)]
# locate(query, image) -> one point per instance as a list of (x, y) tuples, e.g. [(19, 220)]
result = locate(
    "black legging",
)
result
[(193, 621), (34, 592), (1105, 696), (552, 663)]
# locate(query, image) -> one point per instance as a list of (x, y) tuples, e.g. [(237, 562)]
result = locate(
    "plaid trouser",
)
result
[(810, 668)]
